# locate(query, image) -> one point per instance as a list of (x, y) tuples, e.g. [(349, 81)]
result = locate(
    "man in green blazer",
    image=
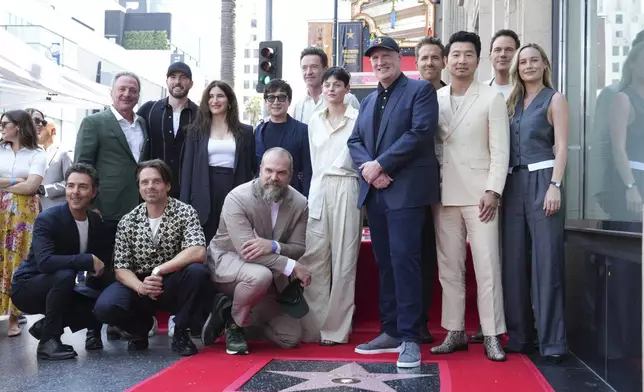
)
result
[(114, 141)]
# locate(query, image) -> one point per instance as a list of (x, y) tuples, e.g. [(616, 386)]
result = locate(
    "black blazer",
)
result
[(296, 141), (195, 180), (55, 246)]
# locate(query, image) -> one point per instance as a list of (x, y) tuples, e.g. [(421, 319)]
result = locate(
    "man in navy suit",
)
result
[(67, 238), (393, 146), (282, 130)]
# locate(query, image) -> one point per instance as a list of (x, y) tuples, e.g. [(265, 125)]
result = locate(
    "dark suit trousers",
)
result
[(428, 262), (53, 295), (397, 238), (185, 293)]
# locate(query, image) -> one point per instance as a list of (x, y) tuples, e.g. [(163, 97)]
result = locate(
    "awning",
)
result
[(27, 75)]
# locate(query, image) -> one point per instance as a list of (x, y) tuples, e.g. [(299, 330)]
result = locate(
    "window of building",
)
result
[(246, 84), (246, 99), (615, 50), (247, 53), (247, 68), (255, 69), (619, 34), (619, 18), (615, 67), (255, 53), (253, 38), (625, 50), (254, 84), (253, 23)]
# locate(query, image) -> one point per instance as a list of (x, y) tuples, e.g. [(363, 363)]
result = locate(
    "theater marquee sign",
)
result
[(406, 21)]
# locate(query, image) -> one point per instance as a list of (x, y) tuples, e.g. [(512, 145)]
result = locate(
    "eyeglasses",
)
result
[(280, 98), (40, 122), (4, 124)]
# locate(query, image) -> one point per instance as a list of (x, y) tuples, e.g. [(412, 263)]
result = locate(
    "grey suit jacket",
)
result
[(59, 159), (245, 210)]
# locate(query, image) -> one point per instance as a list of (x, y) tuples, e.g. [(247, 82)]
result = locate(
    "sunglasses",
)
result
[(40, 122), (280, 98)]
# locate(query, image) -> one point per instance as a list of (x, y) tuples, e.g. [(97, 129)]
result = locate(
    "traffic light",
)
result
[(270, 63)]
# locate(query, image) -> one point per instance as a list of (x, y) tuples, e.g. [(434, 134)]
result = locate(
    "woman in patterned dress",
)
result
[(22, 167)]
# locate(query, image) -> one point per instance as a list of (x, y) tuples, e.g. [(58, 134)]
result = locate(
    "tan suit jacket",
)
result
[(472, 145), (245, 210)]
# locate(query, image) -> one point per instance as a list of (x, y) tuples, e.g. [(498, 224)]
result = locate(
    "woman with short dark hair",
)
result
[(22, 168)]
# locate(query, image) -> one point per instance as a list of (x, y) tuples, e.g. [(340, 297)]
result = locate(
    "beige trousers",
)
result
[(454, 225), (332, 246), (256, 310)]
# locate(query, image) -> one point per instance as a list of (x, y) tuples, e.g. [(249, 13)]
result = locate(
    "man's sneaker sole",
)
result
[(407, 365), (232, 352), (208, 333), (377, 351)]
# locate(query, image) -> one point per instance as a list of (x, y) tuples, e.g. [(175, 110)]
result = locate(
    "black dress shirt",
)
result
[(381, 102)]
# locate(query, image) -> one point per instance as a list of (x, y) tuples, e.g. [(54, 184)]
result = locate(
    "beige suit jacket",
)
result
[(245, 210), (472, 145)]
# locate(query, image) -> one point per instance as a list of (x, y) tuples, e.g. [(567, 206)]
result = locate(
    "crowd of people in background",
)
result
[(180, 207)]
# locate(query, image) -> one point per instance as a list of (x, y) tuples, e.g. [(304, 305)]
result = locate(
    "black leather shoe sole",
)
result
[(138, 345), (58, 356)]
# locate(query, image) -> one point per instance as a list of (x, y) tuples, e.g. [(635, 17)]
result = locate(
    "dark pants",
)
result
[(185, 293), (428, 262), (396, 238), (533, 264), (221, 182), (53, 295)]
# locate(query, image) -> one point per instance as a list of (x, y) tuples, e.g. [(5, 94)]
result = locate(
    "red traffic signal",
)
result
[(267, 52)]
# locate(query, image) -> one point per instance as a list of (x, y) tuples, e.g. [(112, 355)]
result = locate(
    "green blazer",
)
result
[(101, 143)]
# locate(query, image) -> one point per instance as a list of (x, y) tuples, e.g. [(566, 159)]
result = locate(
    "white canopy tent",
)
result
[(27, 78)]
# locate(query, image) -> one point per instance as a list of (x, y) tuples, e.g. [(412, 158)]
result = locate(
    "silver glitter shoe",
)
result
[(493, 349), (454, 341)]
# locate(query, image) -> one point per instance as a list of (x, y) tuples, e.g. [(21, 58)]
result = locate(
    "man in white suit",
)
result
[(59, 159), (473, 144)]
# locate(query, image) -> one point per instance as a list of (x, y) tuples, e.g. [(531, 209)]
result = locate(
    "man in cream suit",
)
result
[(59, 159), (261, 235), (473, 150)]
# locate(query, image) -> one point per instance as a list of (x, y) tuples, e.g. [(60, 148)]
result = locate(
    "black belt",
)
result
[(519, 168)]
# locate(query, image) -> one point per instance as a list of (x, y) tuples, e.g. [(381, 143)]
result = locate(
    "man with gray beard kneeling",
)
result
[(254, 254)]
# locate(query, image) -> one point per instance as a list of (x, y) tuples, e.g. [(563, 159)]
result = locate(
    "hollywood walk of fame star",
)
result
[(350, 34), (350, 374)]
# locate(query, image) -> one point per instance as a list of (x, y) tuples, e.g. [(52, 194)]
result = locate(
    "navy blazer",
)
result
[(195, 179), (55, 245), (405, 145), (295, 140)]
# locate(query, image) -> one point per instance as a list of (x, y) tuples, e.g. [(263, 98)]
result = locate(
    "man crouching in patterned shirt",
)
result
[(159, 264)]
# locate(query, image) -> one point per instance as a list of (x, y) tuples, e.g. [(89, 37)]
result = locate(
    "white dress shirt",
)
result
[(329, 154), (133, 133), (22, 163), (304, 109)]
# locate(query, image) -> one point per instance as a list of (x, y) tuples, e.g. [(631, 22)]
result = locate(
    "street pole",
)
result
[(334, 56), (269, 20)]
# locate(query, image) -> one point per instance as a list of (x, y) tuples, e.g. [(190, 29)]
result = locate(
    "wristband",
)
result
[(274, 246), (12, 181)]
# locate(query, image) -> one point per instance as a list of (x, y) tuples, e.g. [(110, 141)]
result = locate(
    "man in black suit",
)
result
[(67, 238)]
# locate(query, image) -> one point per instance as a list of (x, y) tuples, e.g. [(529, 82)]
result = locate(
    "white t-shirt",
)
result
[(154, 226), (176, 120), (83, 230), (504, 89)]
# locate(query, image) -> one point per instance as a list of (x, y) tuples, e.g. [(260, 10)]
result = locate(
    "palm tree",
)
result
[(228, 41), (254, 109)]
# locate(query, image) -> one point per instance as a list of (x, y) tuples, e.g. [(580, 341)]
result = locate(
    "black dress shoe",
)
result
[(182, 344), (425, 336), (477, 337), (54, 350), (36, 332), (138, 344), (216, 322), (554, 359), (93, 340), (115, 333)]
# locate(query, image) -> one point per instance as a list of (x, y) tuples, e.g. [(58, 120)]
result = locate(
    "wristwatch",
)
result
[(556, 184), (156, 271)]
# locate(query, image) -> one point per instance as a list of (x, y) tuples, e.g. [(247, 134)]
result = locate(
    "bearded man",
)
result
[(261, 236)]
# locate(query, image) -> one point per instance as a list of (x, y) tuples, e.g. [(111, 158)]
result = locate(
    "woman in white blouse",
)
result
[(22, 167), (333, 230)]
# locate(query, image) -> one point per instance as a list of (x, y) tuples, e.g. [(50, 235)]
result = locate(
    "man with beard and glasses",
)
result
[(168, 118), (261, 236)]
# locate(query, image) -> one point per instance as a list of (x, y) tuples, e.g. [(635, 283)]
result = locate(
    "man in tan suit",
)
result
[(473, 150), (261, 236)]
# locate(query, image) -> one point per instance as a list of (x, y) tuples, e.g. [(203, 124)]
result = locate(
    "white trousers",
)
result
[(332, 246)]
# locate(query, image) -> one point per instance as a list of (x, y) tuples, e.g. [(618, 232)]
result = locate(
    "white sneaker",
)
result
[(171, 326), (154, 329)]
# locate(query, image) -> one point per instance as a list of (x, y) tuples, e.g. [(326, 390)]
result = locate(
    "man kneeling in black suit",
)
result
[(66, 239)]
